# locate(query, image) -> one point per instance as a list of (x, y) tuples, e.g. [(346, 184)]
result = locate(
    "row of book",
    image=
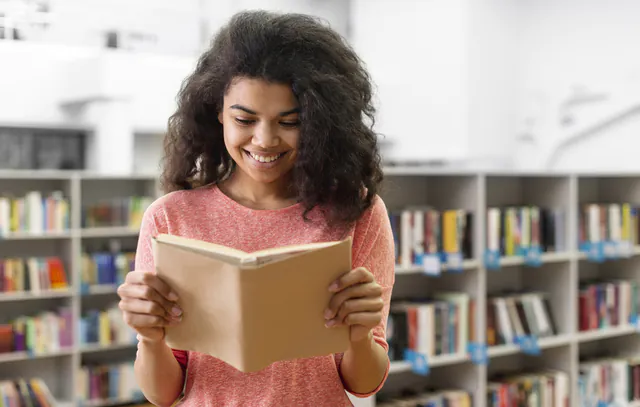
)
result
[(43, 333), (122, 211), (515, 316), (25, 393), (542, 389), (105, 327), (608, 231), (34, 213), (33, 274), (513, 230), (611, 381), (432, 327), (106, 268), (426, 231), (428, 398), (604, 304), (108, 382)]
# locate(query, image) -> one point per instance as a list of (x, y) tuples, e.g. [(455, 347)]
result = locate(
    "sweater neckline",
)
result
[(233, 204)]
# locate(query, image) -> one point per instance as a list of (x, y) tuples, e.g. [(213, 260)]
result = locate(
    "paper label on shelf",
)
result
[(532, 256), (610, 249), (625, 248), (492, 260), (418, 361), (528, 344), (477, 353), (431, 264), (595, 251), (454, 262)]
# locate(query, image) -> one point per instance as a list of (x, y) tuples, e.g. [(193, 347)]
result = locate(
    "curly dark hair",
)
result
[(338, 163)]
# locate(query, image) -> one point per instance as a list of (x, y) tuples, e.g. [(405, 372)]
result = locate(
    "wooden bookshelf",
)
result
[(559, 275)]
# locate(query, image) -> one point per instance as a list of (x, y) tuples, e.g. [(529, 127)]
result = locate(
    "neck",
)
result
[(259, 195)]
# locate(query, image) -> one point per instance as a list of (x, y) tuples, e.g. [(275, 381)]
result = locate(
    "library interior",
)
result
[(515, 243)]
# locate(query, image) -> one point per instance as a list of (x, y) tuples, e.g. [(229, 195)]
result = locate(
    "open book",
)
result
[(253, 309)]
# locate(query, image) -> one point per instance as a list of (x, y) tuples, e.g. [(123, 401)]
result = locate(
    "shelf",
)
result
[(108, 232), (97, 348), (611, 332), (37, 236), (24, 296), (466, 265), (436, 361), (102, 289), (543, 343), (546, 258), (23, 356), (109, 402)]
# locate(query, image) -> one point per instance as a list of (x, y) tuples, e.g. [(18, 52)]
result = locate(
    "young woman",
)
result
[(269, 147)]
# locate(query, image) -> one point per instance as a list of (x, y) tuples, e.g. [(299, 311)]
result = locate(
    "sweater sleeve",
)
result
[(153, 223), (373, 248)]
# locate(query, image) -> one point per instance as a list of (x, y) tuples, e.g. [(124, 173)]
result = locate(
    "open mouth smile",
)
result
[(266, 159)]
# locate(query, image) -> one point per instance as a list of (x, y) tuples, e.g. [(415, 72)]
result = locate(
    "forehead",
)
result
[(260, 95)]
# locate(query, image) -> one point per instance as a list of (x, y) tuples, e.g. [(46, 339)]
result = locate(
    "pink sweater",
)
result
[(208, 214)]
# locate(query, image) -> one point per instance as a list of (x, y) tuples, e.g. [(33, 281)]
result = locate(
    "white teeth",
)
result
[(265, 159)]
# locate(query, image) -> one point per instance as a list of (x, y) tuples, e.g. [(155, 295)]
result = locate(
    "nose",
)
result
[(265, 137)]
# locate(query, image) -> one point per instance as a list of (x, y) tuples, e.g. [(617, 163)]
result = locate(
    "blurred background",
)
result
[(482, 104)]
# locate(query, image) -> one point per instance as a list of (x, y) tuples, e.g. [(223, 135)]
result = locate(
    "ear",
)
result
[(220, 117)]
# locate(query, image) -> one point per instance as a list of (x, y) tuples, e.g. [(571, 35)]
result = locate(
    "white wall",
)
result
[(585, 43)]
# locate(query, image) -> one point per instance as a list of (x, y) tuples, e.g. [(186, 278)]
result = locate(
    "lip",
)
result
[(261, 165)]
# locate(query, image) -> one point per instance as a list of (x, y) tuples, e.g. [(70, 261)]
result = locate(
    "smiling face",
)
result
[(261, 128)]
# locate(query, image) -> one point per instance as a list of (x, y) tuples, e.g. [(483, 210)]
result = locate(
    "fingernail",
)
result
[(330, 323), (333, 287), (173, 296), (328, 314), (176, 311)]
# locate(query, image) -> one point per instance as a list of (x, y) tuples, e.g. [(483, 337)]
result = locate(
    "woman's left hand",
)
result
[(356, 302)]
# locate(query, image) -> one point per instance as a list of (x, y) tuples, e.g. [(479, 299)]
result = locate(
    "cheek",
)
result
[(235, 138)]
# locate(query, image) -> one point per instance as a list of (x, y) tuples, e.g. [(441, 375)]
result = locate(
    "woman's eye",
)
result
[(244, 122), (290, 124)]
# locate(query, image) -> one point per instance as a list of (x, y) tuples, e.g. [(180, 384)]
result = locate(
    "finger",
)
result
[(368, 319), (148, 293), (355, 276), (138, 306), (144, 320), (152, 280), (355, 306), (356, 291)]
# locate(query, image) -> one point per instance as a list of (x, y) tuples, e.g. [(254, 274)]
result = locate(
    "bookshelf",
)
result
[(565, 275), (570, 279), (84, 192)]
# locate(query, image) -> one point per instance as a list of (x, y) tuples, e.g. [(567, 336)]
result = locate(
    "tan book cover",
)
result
[(253, 309)]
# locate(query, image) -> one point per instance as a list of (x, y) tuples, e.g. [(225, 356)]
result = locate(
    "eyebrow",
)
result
[(247, 110)]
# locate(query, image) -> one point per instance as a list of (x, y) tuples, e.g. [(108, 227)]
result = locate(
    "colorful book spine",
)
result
[(605, 304), (433, 398), (513, 230), (34, 274), (125, 211), (516, 316), (543, 389), (35, 213), (108, 382), (609, 382), (425, 231), (23, 392), (439, 326), (44, 333), (105, 327), (105, 268)]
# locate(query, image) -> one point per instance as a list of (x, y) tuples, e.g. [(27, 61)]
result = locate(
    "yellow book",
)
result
[(450, 231)]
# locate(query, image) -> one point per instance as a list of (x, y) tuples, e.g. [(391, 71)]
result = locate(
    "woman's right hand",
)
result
[(148, 305)]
